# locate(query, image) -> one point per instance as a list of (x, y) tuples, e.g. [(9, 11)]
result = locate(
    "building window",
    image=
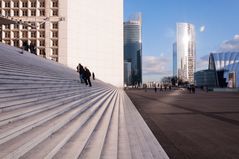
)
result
[(16, 4), (33, 4), (42, 43), (24, 26), (33, 34), (42, 34), (15, 13), (54, 43), (54, 25), (42, 12), (24, 13), (7, 13), (54, 12), (24, 4), (7, 42), (7, 4), (7, 34), (42, 52), (33, 25), (15, 26), (55, 3), (42, 26), (7, 26), (16, 43), (54, 34), (42, 3), (54, 51), (16, 34), (33, 12), (24, 34)]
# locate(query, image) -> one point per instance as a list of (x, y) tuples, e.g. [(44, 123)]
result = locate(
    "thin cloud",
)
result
[(156, 65), (202, 63), (230, 45)]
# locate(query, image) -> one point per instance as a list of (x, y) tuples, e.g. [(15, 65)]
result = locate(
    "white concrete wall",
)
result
[(95, 38), (63, 38)]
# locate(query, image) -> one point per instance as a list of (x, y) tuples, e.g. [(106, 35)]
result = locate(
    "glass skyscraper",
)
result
[(174, 59), (186, 52), (133, 49)]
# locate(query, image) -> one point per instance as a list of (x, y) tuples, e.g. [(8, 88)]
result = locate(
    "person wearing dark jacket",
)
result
[(25, 46), (32, 48), (87, 76), (81, 71)]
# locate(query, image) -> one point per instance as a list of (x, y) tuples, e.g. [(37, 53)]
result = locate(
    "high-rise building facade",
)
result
[(186, 51), (71, 32), (133, 49), (41, 27), (175, 59)]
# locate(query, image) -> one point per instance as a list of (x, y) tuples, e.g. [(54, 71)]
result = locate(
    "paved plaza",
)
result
[(192, 126)]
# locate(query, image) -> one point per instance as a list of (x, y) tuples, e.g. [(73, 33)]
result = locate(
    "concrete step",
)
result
[(27, 78), (28, 70), (95, 143), (110, 149), (34, 100), (29, 88), (35, 94), (124, 148), (13, 129), (21, 145), (38, 64), (21, 95), (13, 73), (23, 112), (66, 134)]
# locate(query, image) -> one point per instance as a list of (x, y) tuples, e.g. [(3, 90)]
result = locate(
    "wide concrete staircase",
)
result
[(45, 112)]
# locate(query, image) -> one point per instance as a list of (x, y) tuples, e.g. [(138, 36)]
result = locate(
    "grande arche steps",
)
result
[(45, 112)]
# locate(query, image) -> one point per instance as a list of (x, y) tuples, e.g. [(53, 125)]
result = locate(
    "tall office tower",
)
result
[(71, 32), (175, 59), (186, 51), (133, 49)]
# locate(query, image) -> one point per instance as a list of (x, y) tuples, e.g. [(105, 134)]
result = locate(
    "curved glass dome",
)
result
[(227, 61)]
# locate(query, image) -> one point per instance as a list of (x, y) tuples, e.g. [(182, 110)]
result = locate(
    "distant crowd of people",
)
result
[(32, 47), (85, 74), (161, 87)]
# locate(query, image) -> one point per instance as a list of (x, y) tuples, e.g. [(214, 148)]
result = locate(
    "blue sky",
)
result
[(220, 19)]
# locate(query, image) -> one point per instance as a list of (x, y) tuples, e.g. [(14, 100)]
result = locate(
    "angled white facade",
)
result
[(89, 32), (94, 37)]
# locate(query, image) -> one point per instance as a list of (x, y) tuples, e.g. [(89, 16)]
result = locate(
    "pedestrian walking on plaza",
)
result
[(161, 88), (155, 89), (145, 87), (193, 89), (87, 76)]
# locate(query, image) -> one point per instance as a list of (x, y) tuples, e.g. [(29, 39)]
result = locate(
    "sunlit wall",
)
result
[(93, 36)]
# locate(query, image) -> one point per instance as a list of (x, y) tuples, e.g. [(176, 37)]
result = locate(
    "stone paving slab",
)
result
[(192, 126)]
